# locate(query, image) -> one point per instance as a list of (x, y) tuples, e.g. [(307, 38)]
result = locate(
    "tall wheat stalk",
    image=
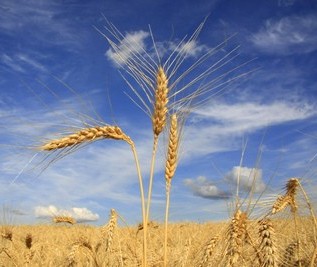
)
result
[(171, 165), (158, 124)]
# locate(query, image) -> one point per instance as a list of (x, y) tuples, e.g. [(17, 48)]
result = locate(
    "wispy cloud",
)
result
[(246, 178), (206, 189), (137, 44), (132, 44), (289, 35), (249, 116), (80, 214)]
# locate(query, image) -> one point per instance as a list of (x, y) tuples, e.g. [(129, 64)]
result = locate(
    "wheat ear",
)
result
[(87, 135), (81, 243), (109, 229), (170, 168), (64, 219), (160, 104), (288, 199), (236, 236), (267, 245), (209, 249)]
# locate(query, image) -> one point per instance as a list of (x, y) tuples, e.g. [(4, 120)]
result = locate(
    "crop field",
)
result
[(274, 242)]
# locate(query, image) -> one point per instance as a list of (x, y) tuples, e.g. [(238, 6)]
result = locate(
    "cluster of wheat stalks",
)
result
[(268, 241), (168, 105)]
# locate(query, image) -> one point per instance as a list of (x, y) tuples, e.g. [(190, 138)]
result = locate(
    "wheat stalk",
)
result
[(87, 135), (170, 168), (267, 243), (158, 123)]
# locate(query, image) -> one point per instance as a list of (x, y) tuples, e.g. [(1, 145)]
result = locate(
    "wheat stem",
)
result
[(136, 159), (155, 142), (168, 188)]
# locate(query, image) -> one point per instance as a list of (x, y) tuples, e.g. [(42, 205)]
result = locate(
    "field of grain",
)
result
[(189, 244)]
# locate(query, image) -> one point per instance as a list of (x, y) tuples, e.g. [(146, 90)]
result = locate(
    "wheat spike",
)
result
[(288, 199), (160, 104), (267, 245), (64, 219), (209, 249), (236, 237), (82, 242), (28, 241), (171, 162), (108, 230), (289, 255), (87, 135), (281, 203)]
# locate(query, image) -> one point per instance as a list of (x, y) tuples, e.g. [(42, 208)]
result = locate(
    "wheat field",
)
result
[(189, 244)]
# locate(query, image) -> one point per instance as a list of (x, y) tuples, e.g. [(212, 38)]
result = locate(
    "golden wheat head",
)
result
[(87, 135), (160, 104), (171, 162)]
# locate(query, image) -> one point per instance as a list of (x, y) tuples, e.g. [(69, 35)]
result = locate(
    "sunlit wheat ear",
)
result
[(109, 229), (171, 164), (87, 135), (288, 199), (172, 153), (64, 219), (236, 237), (160, 102), (209, 249), (267, 243)]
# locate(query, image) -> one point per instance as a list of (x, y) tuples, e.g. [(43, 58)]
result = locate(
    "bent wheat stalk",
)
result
[(97, 133)]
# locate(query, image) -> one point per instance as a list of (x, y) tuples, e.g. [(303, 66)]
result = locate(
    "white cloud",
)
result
[(249, 178), (80, 214), (132, 45), (11, 63), (221, 124), (289, 35), (249, 116), (206, 189), (189, 49)]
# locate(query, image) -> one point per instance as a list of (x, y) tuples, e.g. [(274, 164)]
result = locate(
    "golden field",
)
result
[(189, 244)]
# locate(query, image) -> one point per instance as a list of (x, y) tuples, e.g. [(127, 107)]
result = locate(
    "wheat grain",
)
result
[(87, 135)]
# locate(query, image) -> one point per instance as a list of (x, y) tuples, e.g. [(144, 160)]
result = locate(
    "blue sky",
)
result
[(58, 72)]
